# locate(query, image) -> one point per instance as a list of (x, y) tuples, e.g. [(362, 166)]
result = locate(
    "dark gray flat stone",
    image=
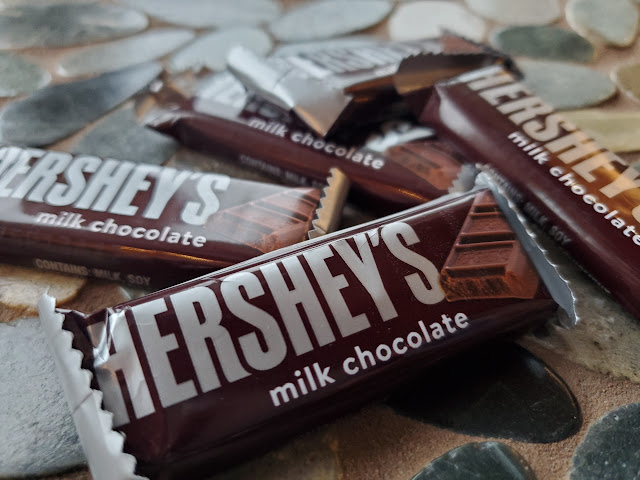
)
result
[(211, 50), (566, 86), (328, 18), (611, 447), (425, 19), (18, 76), (504, 392), (612, 22), (517, 12), (119, 135), (111, 56), (66, 25), (37, 433), (478, 461), (209, 13), (57, 111), (543, 42)]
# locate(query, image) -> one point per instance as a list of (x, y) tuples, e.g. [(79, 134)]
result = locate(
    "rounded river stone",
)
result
[(424, 19), (518, 12), (543, 42), (37, 433), (613, 22), (66, 25), (616, 131), (478, 461), (211, 50), (19, 76), (611, 448), (57, 111), (503, 392), (328, 18), (627, 77), (566, 86)]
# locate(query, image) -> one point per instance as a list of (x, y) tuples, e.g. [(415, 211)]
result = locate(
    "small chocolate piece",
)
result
[(487, 261), (145, 224), (202, 375)]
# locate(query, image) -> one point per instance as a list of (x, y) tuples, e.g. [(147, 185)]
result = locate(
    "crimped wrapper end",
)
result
[(334, 196), (102, 445)]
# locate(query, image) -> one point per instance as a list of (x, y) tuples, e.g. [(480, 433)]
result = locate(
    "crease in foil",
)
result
[(316, 102), (102, 445), (558, 286)]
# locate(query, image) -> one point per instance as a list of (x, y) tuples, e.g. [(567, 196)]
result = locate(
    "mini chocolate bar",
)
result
[(583, 196), (200, 376), (142, 224), (338, 87), (397, 168)]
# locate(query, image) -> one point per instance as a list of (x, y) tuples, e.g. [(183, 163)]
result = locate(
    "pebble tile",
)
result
[(566, 86), (37, 433), (478, 461), (518, 12), (611, 447), (211, 50), (612, 22), (211, 13), (119, 135), (505, 392), (423, 19), (66, 25), (19, 76), (328, 18), (57, 111), (543, 42), (107, 57), (627, 77)]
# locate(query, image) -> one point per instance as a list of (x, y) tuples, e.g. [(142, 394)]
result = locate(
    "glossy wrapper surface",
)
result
[(584, 196), (202, 375), (141, 224)]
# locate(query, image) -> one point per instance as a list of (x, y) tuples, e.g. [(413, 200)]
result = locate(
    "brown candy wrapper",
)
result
[(582, 195), (393, 167), (192, 379), (146, 225)]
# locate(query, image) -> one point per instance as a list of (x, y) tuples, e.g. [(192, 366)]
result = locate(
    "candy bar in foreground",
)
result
[(582, 195), (144, 224), (391, 170), (341, 87), (203, 375)]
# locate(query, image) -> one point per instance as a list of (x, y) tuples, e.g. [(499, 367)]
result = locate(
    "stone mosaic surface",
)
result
[(524, 397)]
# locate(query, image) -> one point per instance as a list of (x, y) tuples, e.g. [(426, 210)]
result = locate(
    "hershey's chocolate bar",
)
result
[(137, 223), (582, 195), (399, 165), (204, 374)]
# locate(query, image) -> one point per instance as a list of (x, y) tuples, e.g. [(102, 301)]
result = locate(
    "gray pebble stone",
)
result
[(209, 13), (518, 12), (612, 22), (37, 433), (426, 19), (111, 56), (18, 76), (611, 447), (566, 86), (66, 25), (57, 111), (544, 42), (211, 50), (328, 18), (120, 136), (478, 461)]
